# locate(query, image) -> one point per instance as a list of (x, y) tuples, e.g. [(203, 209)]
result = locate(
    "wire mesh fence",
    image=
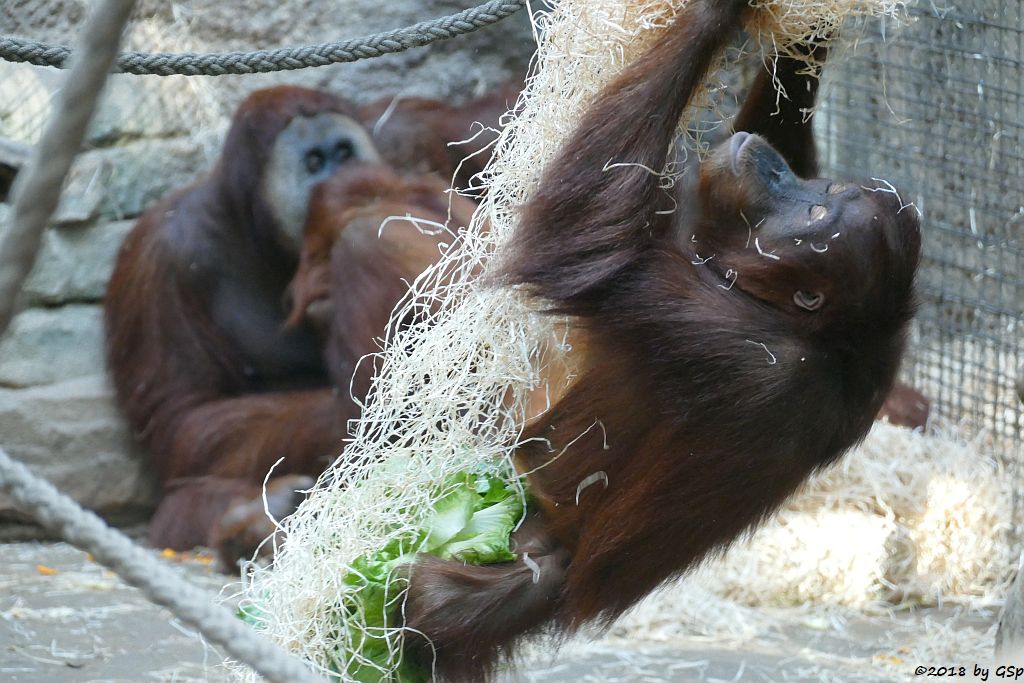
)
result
[(134, 107), (936, 106)]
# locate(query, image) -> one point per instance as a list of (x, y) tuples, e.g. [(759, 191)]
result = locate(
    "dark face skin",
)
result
[(799, 245)]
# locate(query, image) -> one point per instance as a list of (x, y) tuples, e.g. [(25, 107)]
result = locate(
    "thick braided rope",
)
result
[(37, 189), (282, 59), (36, 194), (61, 515)]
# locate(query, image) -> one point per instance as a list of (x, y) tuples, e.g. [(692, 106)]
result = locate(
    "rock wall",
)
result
[(152, 135)]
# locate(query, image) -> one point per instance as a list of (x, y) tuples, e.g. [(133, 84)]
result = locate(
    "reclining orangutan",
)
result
[(721, 382)]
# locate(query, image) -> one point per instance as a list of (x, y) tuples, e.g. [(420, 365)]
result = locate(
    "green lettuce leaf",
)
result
[(471, 522), (485, 538), (451, 515)]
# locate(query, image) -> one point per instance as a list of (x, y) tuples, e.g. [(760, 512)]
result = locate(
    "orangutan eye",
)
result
[(343, 151), (314, 161), (810, 301)]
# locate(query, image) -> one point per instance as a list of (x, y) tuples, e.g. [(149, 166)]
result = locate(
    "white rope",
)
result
[(36, 189), (36, 193), (83, 529)]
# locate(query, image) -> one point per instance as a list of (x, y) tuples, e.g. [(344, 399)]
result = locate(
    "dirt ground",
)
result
[(64, 618)]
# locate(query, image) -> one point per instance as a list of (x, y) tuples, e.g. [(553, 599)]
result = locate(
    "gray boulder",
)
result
[(74, 264), (84, 189), (116, 119), (120, 182), (26, 96), (71, 434), (46, 345)]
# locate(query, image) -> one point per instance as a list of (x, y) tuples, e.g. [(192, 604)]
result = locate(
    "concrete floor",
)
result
[(64, 618)]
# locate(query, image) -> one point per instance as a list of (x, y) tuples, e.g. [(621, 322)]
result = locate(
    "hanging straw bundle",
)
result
[(428, 467)]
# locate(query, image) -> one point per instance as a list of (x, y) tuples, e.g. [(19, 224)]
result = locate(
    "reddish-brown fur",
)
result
[(704, 398), (218, 378), (429, 136), (205, 369), (352, 270), (905, 406)]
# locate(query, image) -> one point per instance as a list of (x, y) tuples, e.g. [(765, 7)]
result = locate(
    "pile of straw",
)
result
[(906, 518)]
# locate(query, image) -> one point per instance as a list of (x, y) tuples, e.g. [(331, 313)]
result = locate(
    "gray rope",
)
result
[(36, 189), (36, 193), (58, 513), (282, 59)]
